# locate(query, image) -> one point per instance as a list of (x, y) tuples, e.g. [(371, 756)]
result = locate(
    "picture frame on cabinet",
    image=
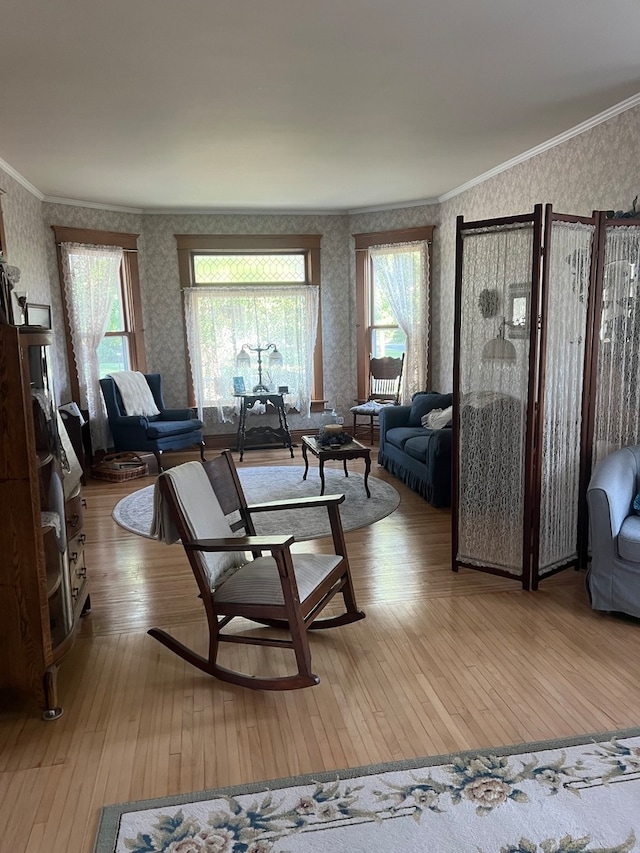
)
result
[(38, 315)]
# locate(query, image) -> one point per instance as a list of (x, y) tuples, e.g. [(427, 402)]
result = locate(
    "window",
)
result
[(392, 281), (117, 349), (101, 302), (241, 294)]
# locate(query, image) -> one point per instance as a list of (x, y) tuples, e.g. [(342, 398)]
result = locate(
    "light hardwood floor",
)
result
[(442, 662)]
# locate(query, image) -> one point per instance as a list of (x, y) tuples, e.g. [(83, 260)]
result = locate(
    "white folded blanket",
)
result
[(135, 392)]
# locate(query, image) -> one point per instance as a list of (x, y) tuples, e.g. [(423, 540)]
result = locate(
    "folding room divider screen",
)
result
[(522, 368)]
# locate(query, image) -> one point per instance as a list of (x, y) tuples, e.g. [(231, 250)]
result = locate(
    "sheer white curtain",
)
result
[(617, 410), (401, 271), (568, 254), (91, 278), (493, 402), (220, 320)]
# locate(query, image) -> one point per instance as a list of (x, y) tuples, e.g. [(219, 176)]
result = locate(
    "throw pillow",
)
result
[(424, 402), (438, 418)]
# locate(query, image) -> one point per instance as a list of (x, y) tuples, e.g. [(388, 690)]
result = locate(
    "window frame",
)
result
[(258, 244), (129, 288), (363, 242)]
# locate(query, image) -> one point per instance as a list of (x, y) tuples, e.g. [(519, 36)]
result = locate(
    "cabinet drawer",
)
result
[(74, 512), (75, 555), (77, 571)]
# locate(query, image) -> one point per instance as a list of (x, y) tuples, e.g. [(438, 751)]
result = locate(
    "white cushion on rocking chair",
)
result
[(258, 581), (205, 519)]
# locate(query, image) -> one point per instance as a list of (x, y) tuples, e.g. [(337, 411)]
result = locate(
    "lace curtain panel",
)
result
[(401, 271), (221, 319), (493, 401), (617, 410), (568, 254), (91, 278)]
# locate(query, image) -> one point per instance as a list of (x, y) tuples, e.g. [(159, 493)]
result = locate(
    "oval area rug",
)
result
[(272, 483)]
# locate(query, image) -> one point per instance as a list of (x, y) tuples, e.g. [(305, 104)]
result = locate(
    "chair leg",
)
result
[(354, 425), (371, 425), (158, 455), (202, 447)]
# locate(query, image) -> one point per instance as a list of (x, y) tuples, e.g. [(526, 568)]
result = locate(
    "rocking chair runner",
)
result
[(283, 590)]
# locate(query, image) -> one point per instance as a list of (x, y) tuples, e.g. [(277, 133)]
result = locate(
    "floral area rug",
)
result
[(571, 796), (272, 483)]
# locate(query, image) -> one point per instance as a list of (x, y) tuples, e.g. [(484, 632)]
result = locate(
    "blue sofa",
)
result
[(418, 456)]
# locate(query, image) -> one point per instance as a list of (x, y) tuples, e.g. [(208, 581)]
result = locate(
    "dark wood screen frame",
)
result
[(541, 225)]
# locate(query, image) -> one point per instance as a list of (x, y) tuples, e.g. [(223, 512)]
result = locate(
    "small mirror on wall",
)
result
[(517, 320)]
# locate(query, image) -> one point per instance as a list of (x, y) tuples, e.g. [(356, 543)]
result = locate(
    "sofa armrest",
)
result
[(393, 416), (439, 457)]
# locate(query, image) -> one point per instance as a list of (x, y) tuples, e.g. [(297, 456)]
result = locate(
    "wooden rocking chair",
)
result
[(283, 590)]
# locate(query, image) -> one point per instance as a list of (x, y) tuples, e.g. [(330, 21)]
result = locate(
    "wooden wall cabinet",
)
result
[(43, 584)]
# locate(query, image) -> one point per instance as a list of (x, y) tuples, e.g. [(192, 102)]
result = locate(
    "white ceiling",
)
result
[(293, 104)]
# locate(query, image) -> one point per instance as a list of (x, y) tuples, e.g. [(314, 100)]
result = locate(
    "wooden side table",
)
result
[(353, 450), (263, 436)]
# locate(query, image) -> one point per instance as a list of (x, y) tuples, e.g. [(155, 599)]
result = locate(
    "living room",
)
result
[(443, 661)]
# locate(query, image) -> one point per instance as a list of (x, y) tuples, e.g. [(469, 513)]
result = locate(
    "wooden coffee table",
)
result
[(343, 452)]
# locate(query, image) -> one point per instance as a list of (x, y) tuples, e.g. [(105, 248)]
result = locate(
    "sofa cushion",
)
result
[(629, 539), (418, 446), (398, 436), (163, 429), (424, 402)]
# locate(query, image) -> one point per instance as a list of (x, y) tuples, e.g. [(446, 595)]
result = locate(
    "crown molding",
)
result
[(91, 204), (238, 211), (613, 111), (424, 202), (20, 179)]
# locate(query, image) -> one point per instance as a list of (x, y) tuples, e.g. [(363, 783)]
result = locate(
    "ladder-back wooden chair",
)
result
[(385, 383), (278, 589)]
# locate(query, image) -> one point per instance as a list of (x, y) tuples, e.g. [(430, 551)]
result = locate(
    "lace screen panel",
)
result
[(568, 257), (493, 381), (617, 409)]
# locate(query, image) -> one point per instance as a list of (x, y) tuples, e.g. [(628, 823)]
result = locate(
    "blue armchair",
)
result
[(613, 580), (172, 429)]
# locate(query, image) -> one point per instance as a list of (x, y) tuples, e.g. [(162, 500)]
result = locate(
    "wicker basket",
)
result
[(118, 467)]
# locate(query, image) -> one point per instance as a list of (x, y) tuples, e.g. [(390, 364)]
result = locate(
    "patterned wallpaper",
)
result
[(22, 215), (596, 170)]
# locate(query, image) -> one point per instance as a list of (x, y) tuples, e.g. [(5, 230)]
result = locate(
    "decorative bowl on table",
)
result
[(334, 440), (333, 429)]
